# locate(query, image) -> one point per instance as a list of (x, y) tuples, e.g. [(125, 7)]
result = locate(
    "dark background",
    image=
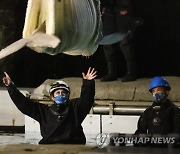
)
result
[(156, 44)]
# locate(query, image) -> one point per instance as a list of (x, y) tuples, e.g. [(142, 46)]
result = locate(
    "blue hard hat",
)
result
[(159, 82)]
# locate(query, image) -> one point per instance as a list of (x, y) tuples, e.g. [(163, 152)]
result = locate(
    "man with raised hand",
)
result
[(60, 122)]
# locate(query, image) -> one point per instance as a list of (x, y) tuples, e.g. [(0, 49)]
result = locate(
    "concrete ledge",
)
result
[(44, 149), (128, 92)]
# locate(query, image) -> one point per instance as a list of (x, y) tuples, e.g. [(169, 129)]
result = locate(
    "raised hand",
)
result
[(91, 74), (7, 80)]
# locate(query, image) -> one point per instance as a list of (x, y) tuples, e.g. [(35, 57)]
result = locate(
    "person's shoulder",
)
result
[(41, 105), (148, 110), (145, 112), (173, 106)]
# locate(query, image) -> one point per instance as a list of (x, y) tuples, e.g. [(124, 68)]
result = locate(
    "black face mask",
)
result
[(159, 97)]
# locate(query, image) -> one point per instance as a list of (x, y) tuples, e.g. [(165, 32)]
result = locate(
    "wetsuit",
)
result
[(58, 124), (162, 119)]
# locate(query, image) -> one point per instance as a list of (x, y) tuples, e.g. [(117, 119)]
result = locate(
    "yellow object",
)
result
[(75, 22), (72, 27)]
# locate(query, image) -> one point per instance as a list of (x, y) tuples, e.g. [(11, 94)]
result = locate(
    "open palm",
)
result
[(91, 74)]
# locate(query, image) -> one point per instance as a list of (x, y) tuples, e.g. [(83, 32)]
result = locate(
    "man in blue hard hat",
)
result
[(162, 117)]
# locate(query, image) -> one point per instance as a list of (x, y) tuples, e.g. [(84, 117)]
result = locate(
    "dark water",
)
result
[(8, 138), (12, 138)]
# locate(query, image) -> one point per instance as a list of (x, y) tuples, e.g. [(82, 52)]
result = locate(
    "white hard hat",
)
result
[(59, 85)]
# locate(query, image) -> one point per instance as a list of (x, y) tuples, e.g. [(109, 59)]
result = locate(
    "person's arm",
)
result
[(141, 129), (176, 120), (142, 124), (87, 91), (24, 104), (175, 117)]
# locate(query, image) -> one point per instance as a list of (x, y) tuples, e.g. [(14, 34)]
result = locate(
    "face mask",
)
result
[(159, 97), (61, 99)]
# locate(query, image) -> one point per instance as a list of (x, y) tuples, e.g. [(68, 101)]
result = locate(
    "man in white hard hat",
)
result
[(60, 122)]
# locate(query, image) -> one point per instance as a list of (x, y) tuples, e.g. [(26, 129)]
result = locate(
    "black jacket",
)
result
[(164, 120), (113, 21), (117, 4), (58, 128)]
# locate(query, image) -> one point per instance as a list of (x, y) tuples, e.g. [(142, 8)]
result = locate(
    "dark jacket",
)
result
[(58, 127), (117, 4), (113, 21), (164, 120)]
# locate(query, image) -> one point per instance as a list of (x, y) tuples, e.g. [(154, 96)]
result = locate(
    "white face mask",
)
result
[(159, 97)]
